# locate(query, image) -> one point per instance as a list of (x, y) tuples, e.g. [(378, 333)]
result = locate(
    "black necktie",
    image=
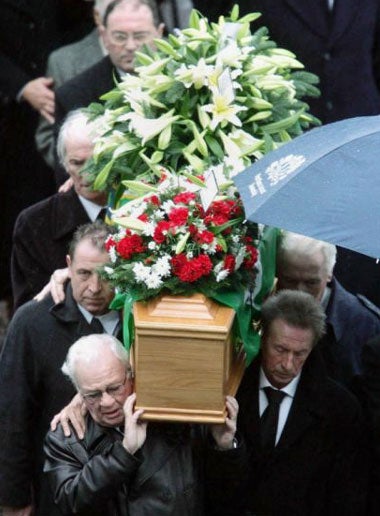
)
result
[(96, 326), (102, 214), (269, 419)]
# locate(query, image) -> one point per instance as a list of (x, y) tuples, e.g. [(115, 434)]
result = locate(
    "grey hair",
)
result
[(297, 309), (151, 4), (295, 244), (86, 349), (75, 124), (101, 6)]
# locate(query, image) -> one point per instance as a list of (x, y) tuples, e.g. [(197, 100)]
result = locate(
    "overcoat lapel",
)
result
[(314, 13), (345, 12)]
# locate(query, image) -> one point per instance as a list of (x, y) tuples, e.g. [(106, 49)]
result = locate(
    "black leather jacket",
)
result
[(97, 476)]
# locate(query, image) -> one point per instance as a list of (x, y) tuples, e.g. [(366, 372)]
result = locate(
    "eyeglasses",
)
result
[(113, 391), (121, 38)]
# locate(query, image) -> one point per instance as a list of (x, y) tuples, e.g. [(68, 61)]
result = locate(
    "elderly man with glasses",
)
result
[(125, 466)]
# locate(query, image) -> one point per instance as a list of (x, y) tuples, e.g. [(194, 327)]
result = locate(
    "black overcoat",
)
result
[(320, 464), (33, 389), (41, 240)]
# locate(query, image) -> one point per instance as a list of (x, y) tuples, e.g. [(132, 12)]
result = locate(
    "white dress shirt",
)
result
[(92, 209), (289, 390), (110, 320)]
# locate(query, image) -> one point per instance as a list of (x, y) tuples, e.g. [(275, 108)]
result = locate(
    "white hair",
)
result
[(75, 125), (295, 244), (89, 348)]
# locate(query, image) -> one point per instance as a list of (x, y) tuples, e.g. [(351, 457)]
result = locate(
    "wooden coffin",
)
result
[(184, 359)]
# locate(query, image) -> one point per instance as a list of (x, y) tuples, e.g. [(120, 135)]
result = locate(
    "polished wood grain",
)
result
[(184, 359)]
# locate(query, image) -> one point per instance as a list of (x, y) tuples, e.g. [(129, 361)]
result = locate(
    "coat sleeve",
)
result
[(19, 380), (347, 486), (28, 271), (81, 483), (370, 394)]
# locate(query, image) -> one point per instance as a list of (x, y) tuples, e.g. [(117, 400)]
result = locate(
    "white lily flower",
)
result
[(148, 128), (223, 111), (196, 75)]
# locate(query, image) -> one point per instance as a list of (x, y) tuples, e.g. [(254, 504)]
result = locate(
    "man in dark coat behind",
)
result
[(33, 388), (43, 231), (339, 40), (312, 459), (307, 264)]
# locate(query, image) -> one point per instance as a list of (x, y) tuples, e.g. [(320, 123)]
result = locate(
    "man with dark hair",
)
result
[(32, 386), (127, 466), (304, 433)]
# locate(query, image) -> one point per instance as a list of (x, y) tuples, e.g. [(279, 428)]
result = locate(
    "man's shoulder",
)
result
[(352, 307), (102, 69), (71, 60), (73, 49), (47, 210)]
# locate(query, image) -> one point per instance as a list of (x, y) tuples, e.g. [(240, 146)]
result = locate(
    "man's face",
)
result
[(128, 28), (78, 150), (305, 273), (99, 375), (284, 351), (89, 290)]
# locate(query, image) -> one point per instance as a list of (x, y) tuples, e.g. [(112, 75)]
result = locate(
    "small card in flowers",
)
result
[(209, 193)]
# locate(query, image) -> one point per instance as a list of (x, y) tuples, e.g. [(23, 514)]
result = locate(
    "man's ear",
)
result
[(68, 262), (160, 29)]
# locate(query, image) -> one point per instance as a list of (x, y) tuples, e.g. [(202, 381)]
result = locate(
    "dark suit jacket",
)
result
[(85, 88), (40, 242), (33, 389), (370, 392), (319, 465), (342, 51), (351, 321)]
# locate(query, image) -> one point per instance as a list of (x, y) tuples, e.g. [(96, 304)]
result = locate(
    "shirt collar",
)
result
[(289, 389), (110, 320), (92, 209)]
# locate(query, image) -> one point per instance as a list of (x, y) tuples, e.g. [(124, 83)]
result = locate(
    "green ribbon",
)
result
[(124, 301), (248, 313)]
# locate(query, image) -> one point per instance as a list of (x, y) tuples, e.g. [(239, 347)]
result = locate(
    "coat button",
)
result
[(32, 25), (327, 56), (329, 105)]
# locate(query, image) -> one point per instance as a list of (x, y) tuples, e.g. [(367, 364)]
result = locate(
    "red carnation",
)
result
[(184, 197), (179, 216), (251, 259), (158, 235), (110, 242), (191, 270), (229, 263), (130, 245), (205, 237), (143, 217)]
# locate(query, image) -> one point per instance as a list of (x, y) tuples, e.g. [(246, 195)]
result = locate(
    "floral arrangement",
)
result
[(168, 240), (213, 94), (201, 107)]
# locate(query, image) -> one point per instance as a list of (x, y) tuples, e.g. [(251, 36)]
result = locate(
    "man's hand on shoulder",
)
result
[(55, 287)]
